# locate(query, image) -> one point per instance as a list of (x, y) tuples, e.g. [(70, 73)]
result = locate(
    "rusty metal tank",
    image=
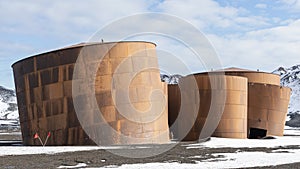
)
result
[(260, 108), (195, 111), (80, 107), (267, 109), (253, 76), (174, 102), (230, 114), (267, 102), (233, 123)]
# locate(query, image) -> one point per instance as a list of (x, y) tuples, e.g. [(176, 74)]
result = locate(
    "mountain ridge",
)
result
[(8, 104)]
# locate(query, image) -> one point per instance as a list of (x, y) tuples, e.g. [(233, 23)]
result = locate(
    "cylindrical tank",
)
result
[(233, 123), (201, 106), (258, 77), (46, 100), (174, 102), (267, 107), (253, 76)]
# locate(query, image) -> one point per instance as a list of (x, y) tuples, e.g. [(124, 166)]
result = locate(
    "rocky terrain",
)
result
[(290, 77), (9, 117), (170, 79)]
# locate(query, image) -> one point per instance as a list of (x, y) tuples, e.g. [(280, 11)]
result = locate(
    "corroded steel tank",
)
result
[(267, 107), (174, 102), (195, 111), (253, 76), (233, 123), (80, 99), (255, 102), (267, 101)]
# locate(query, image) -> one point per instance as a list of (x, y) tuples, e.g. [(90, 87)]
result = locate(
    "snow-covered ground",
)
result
[(292, 131), (74, 166), (7, 122), (239, 158), (12, 133), (227, 160), (248, 143), (4, 113), (23, 150)]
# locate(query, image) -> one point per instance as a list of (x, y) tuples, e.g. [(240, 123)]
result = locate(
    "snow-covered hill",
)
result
[(170, 79), (8, 104), (9, 117), (290, 77)]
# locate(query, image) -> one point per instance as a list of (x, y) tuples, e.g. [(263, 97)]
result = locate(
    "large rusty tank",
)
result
[(267, 102), (195, 106), (233, 123), (253, 76), (255, 105), (267, 109), (82, 98), (228, 108), (174, 102)]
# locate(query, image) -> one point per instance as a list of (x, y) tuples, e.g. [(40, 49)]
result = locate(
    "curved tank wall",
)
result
[(267, 107), (46, 101), (253, 76), (233, 123), (199, 109), (261, 105), (258, 77)]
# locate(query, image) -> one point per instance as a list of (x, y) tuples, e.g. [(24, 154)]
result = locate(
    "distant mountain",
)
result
[(9, 117), (170, 79), (290, 77), (8, 104)]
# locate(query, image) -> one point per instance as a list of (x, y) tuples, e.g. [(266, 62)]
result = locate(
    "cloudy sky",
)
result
[(256, 34)]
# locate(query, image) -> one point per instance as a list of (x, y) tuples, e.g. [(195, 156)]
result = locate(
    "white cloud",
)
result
[(263, 49), (45, 25), (64, 17), (289, 33), (293, 4), (261, 6), (242, 40), (208, 13)]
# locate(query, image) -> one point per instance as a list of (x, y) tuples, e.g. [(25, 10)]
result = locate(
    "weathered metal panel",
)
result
[(44, 91)]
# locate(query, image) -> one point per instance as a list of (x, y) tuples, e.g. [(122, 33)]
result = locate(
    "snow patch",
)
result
[(226, 160), (23, 150), (249, 143), (75, 166), (8, 122), (291, 131), (8, 104)]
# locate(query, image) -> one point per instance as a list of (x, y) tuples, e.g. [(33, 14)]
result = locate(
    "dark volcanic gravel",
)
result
[(99, 158)]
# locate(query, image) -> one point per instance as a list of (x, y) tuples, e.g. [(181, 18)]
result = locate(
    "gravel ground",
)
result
[(99, 158), (13, 136)]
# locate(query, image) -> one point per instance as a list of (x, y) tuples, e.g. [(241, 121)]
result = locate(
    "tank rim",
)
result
[(79, 45)]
